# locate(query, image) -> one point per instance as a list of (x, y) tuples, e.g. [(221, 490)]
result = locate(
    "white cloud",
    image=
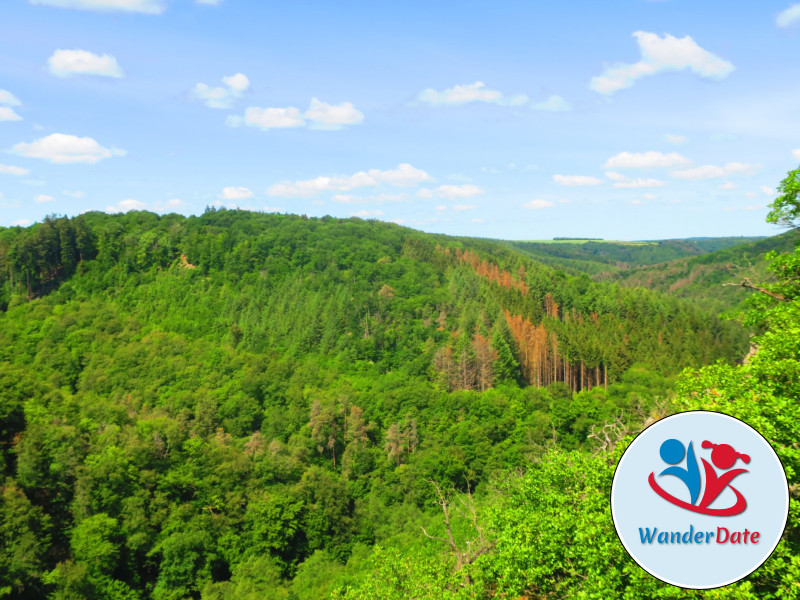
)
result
[(553, 103), (661, 54), (637, 202), (9, 114), (645, 160), (76, 194), (126, 205), (675, 139), (451, 192), (364, 214), (403, 175), (268, 118), (350, 199), (329, 116), (11, 170), (796, 154), (320, 115), (235, 193), (42, 198), (472, 92), (625, 182), (222, 97), (9, 99), (576, 180), (726, 186), (149, 7), (22, 223), (64, 149), (713, 171), (538, 204), (425, 193), (65, 63), (788, 17), (649, 196), (174, 202), (639, 183), (464, 207), (765, 189)]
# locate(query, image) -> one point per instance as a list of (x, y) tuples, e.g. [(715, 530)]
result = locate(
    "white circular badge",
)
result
[(699, 499)]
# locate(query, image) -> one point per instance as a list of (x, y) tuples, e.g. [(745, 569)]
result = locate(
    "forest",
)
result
[(244, 405)]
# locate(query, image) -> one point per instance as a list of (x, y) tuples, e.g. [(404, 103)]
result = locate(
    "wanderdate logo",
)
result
[(699, 499), (723, 457)]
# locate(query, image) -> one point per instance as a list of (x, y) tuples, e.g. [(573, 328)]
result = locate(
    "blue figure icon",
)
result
[(672, 452)]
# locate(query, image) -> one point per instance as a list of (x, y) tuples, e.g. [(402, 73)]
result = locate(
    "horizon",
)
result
[(630, 121)]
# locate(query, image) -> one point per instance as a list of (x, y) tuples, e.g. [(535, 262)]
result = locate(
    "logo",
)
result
[(723, 456), (699, 499)]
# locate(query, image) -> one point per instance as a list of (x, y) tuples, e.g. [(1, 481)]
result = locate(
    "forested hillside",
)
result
[(208, 396), (708, 278), (600, 256)]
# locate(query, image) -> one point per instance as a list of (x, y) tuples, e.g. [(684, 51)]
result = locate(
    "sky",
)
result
[(516, 120)]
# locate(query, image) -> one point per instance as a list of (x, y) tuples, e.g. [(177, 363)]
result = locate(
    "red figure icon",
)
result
[(724, 457)]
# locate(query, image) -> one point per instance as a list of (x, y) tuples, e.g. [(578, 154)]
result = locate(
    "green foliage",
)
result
[(244, 405)]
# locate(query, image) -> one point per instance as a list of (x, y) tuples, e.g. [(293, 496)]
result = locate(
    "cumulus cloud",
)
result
[(7, 100), (65, 63), (645, 160), (639, 183), (452, 192), (788, 17), (553, 103), (796, 154), (268, 118), (11, 170), (726, 186), (675, 139), (65, 149), (768, 191), (659, 54), (126, 205), (222, 97), (713, 171), (22, 223), (576, 180), (403, 175), (235, 193), (472, 92), (42, 198), (148, 7), (320, 115), (9, 114), (330, 116), (365, 214), (649, 196), (538, 204)]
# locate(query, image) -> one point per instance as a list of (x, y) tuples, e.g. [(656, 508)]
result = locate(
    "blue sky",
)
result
[(516, 120)]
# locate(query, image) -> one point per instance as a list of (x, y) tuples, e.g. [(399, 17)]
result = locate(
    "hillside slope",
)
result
[(190, 405)]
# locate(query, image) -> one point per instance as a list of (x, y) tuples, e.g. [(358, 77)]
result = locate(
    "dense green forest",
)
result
[(243, 405)]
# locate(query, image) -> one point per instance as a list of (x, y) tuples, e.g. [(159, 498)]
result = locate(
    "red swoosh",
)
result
[(737, 508)]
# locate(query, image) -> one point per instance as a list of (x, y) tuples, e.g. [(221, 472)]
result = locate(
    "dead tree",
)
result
[(473, 548)]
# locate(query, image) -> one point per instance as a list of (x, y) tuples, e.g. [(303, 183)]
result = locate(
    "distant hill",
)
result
[(595, 256), (701, 278)]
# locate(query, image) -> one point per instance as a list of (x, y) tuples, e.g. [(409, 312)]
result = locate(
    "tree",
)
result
[(786, 207)]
